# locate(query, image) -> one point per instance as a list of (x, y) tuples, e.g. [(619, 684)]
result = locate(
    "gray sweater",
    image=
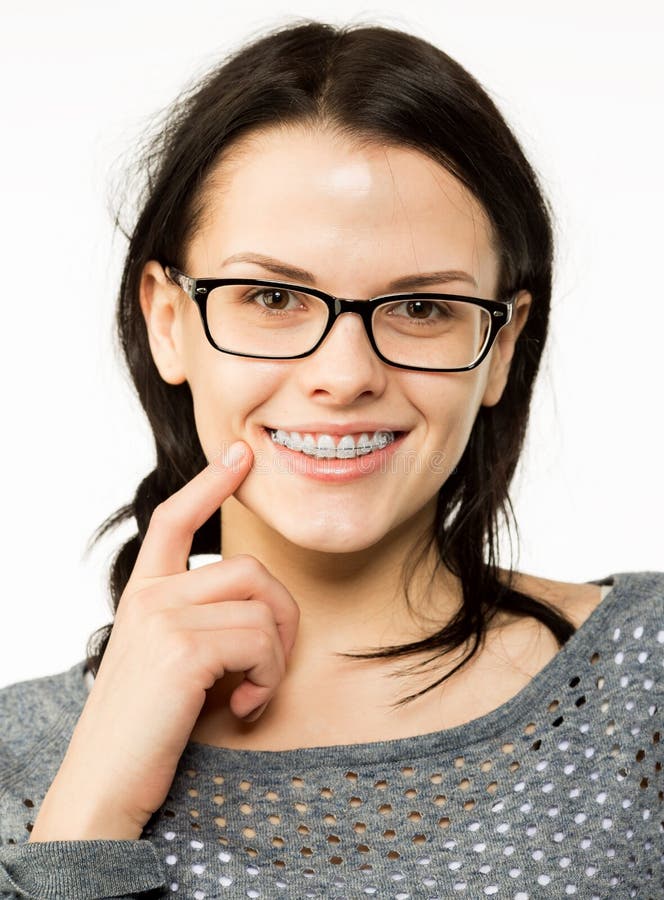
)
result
[(556, 793)]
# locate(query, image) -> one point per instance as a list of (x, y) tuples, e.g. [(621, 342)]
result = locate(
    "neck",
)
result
[(350, 602)]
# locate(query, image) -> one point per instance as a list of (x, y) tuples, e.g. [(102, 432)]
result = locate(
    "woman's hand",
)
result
[(176, 633)]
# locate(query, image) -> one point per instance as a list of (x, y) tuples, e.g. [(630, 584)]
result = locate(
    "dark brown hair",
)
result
[(366, 83)]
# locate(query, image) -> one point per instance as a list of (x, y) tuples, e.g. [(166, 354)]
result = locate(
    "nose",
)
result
[(345, 365)]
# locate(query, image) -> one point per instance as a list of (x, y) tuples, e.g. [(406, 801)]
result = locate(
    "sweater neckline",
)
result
[(493, 724), (496, 723)]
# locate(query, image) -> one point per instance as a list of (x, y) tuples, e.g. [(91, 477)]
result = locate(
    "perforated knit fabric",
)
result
[(558, 792)]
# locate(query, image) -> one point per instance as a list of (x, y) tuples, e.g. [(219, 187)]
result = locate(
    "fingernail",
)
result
[(232, 455), (255, 714)]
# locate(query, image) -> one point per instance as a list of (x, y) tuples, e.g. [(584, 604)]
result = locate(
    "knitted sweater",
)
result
[(557, 792)]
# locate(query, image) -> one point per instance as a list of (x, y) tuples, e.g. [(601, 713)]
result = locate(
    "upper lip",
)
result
[(338, 427)]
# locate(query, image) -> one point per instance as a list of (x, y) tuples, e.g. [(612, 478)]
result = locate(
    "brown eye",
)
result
[(419, 308), (274, 299)]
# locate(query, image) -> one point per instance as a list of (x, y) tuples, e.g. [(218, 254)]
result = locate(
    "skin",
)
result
[(356, 217)]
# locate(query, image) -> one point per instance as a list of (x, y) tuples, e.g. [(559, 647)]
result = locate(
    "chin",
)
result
[(330, 546), (328, 537), (327, 526)]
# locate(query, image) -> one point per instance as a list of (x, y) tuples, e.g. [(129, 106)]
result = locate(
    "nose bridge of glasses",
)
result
[(361, 308), (339, 306)]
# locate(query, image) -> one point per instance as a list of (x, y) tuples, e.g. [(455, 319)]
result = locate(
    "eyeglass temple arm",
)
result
[(182, 280)]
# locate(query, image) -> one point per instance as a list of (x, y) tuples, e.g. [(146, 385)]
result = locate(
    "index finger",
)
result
[(167, 542)]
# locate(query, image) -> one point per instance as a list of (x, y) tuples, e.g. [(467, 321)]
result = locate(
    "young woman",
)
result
[(334, 305)]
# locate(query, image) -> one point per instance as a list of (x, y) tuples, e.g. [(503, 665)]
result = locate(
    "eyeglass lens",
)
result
[(275, 322)]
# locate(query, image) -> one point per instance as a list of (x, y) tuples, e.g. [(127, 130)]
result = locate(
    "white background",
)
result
[(580, 83)]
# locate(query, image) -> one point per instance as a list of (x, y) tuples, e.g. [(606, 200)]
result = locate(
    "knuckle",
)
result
[(151, 600), (135, 604), (263, 615), (263, 642), (160, 624), (248, 565), (165, 626), (143, 598), (177, 645), (163, 512)]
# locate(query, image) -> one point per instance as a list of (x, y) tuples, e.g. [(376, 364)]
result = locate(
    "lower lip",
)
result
[(334, 470)]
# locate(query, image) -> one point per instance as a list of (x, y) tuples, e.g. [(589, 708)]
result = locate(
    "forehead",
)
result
[(319, 199)]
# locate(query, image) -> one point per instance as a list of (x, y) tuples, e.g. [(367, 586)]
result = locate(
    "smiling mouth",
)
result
[(325, 446)]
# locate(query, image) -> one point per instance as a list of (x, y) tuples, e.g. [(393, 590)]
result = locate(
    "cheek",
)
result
[(448, 401), (226, 391), (450, 408)]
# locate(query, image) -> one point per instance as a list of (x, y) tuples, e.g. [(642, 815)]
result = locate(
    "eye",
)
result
[(422, 310), (276, 299)]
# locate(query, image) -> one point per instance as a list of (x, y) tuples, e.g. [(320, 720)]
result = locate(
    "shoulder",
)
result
[(624, 628), (632, 595), (33, 709), (628, 619), (37, 719)]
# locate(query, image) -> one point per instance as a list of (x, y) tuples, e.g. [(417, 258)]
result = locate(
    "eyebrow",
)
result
[(419, 280)]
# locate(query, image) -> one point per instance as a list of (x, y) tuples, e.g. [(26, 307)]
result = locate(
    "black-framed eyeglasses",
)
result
[(430, 332)]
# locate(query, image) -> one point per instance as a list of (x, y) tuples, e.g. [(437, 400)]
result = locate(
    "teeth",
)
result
[(308, 444), (295, 440), (325, 448), (346, 447)]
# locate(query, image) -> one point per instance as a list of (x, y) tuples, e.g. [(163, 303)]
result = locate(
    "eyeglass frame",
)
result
[(198, 290)]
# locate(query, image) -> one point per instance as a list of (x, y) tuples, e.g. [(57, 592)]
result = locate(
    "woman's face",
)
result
[(356, 219)]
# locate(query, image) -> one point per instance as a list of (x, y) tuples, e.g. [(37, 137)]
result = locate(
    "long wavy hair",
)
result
[(368, 83)]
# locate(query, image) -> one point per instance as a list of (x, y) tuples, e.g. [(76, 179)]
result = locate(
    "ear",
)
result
[(160, 303), (503, 350)]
